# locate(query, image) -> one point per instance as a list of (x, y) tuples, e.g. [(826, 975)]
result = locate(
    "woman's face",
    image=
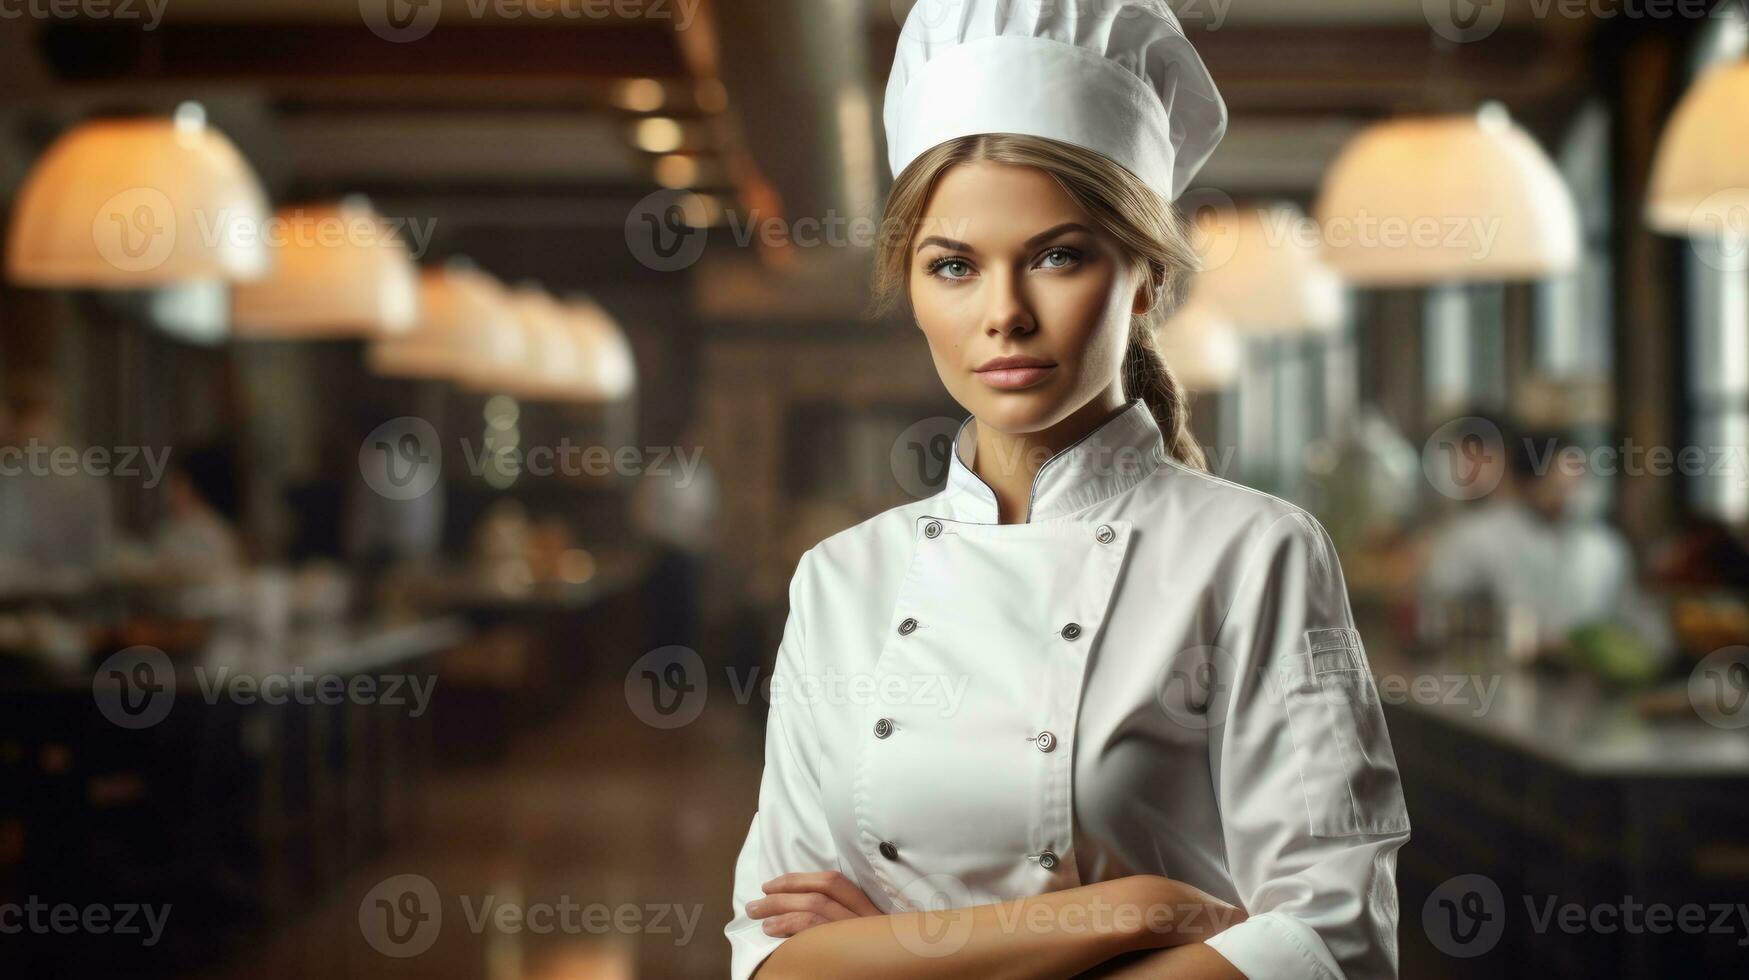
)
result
[(1025, 302)]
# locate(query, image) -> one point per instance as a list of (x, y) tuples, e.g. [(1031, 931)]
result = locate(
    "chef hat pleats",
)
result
[(1115, 76)]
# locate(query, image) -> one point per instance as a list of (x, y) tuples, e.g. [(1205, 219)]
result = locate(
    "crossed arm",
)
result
[(1142, 927)]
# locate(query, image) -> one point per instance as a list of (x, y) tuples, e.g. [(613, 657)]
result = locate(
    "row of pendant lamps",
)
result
[(151, 203), (1399, 194), (1392, 213)]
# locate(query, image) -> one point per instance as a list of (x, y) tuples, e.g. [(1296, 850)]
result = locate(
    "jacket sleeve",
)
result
[(789, 832), (1311, 804)]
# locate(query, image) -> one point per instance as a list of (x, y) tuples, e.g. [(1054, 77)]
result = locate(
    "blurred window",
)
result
[(1718, 329), (1293, 392), (1574, 330), (1464, 361)]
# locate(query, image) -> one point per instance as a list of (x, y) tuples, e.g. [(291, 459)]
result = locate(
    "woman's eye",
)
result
[(950, 268), (1058, 258)]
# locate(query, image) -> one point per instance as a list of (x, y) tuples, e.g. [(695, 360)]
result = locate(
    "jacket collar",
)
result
[(1122, 452)]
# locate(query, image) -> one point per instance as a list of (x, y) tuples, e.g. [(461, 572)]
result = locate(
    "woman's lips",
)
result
[(1013, 375)]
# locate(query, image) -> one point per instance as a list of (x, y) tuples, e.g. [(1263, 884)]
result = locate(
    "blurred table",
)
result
[(1557, 792), (231, 809)]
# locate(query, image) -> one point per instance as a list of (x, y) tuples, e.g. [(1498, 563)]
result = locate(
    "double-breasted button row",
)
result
[(1046, 741), (908, 625)]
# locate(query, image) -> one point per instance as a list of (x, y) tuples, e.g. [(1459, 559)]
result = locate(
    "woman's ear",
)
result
[(1147, 294)]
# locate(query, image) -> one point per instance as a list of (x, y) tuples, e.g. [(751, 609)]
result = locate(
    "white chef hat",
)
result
[(1115, 76)]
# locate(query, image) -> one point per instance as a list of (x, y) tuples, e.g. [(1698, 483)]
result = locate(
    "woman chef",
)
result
[(1110, 710)]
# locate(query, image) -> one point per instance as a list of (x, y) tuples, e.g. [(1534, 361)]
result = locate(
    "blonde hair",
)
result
[(1148, 228)]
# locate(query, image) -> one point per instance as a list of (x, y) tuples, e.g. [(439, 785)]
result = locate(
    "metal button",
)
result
[(883, 728), (1046, 741), (1047, 860), (1105, 534), (1072, 631), (932, 529), (907, 627), (888, 851)]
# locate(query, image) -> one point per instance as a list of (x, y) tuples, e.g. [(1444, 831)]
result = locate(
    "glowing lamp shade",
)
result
[(1262, 268), (137, 203), (1422, 201), (553, 368), (465, 333), (608, 373), (1700, 178), (338, 271), (1202, 347)]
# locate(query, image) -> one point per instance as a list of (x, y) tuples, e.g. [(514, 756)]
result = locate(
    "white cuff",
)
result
[(749, 947), (1273, 946)]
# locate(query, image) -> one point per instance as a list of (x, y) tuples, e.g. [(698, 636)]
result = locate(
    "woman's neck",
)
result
[(1008, 462)]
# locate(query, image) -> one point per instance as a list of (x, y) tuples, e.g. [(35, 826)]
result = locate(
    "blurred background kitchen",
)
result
[(411, 412)]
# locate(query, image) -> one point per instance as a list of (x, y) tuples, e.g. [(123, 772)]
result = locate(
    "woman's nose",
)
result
[(1008, 313)]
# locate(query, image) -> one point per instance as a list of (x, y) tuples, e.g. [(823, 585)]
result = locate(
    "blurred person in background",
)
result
[(57, 519), (1532, 542), (197, 537)]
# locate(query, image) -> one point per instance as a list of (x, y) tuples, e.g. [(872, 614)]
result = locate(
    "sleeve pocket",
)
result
[(1347, 769)]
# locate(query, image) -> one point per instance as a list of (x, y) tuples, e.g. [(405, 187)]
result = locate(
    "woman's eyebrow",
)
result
[(1038, 239), (1048, 234), (948, 243)]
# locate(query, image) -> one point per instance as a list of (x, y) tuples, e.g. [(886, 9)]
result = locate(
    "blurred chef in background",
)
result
[(197, 538), (1532, 544)]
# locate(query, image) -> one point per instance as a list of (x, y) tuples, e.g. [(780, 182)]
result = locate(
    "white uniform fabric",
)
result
[(1210, 713), (1115, 76)]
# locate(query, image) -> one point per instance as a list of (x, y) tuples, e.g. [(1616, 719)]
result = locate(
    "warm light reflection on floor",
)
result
[(592, 815)]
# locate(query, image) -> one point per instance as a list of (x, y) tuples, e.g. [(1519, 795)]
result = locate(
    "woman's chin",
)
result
[(1020, 412)]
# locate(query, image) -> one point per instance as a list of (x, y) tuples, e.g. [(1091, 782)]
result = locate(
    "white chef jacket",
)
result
[(1156, 673)]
